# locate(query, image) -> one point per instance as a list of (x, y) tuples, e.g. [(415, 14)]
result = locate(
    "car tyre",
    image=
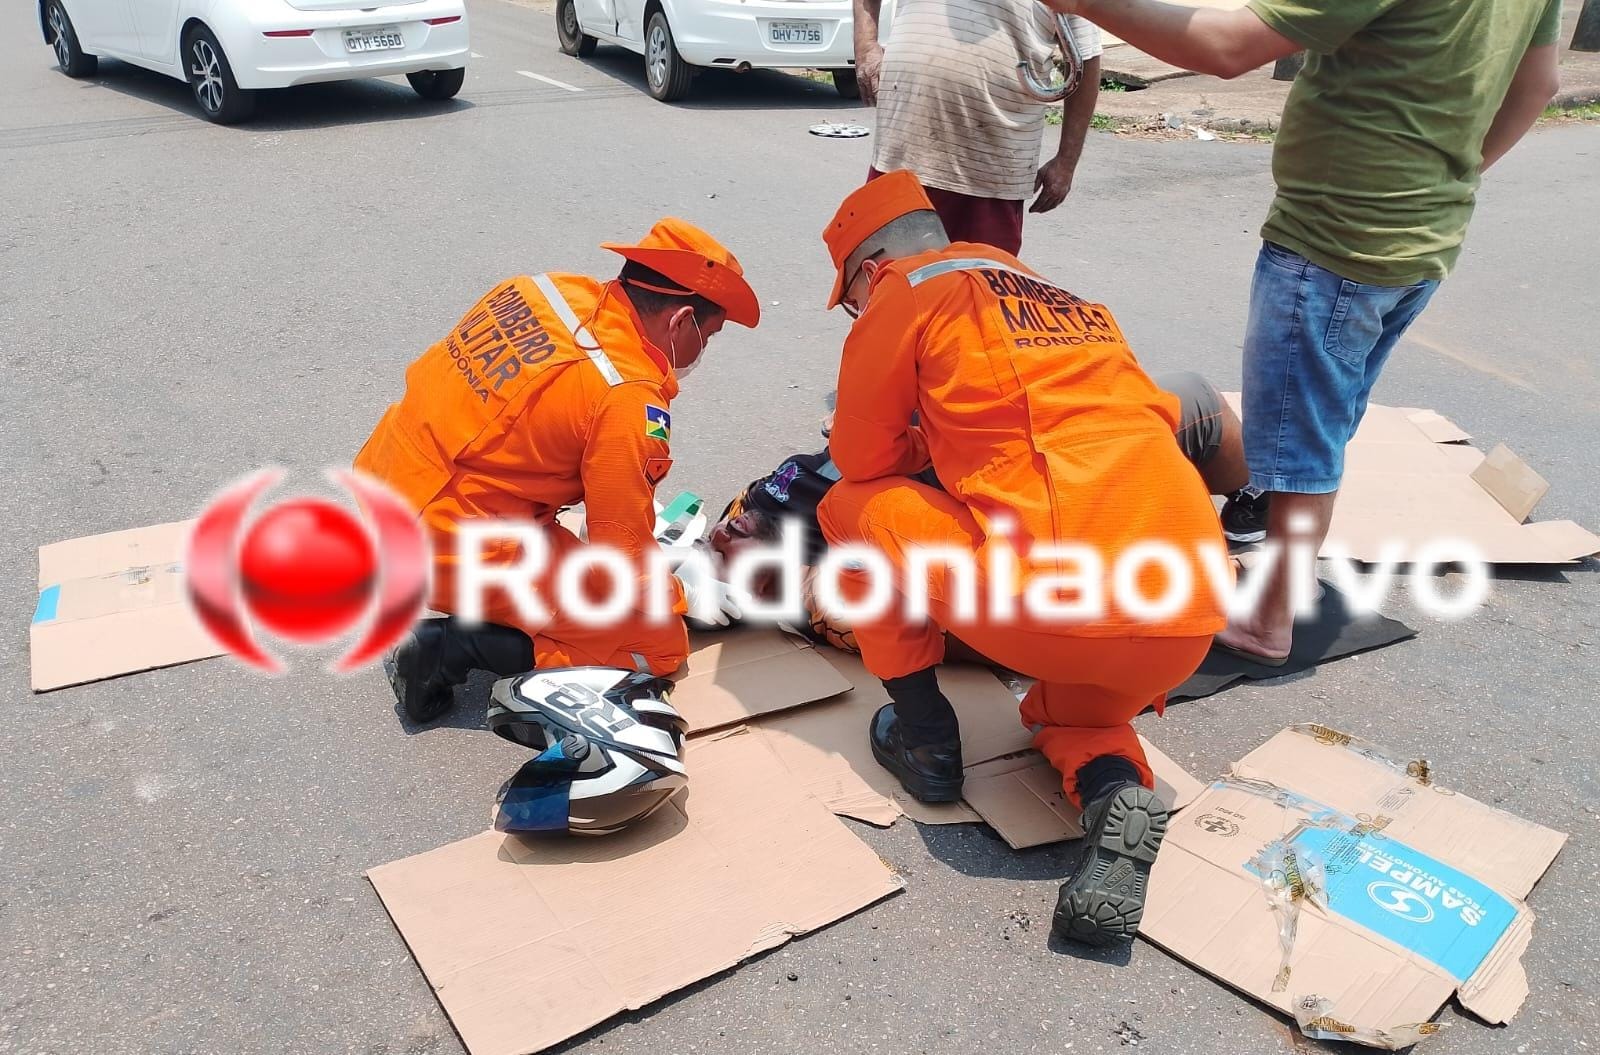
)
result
[(570, 35), (218, 95), (64, 39), (438, 85), (844, 82), (665, 73)]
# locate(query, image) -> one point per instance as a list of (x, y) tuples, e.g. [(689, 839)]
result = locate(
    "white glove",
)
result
[(679, 555), (711, 603)]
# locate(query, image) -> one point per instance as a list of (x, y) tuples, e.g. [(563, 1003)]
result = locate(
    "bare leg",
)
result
[(1269, 630)]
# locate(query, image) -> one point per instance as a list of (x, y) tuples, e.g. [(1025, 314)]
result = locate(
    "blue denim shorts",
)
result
[(1313, 348)]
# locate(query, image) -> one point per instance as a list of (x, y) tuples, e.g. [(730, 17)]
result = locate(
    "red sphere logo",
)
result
[(307, 569)]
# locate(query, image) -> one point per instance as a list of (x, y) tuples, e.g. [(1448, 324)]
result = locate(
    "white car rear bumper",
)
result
[(262, 61), (729, 33)]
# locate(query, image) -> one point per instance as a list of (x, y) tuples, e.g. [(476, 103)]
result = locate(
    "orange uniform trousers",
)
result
[(1088, 689)]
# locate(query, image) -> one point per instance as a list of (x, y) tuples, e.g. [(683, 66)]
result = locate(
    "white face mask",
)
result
[(685, 371)]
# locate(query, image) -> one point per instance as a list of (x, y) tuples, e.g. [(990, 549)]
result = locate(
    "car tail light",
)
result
[(445, 21), (287, 33)]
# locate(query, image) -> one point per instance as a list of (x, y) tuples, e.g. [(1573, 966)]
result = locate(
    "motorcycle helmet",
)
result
[(609, 749)]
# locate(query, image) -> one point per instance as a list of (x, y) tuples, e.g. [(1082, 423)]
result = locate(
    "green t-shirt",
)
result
[(1378, 156)]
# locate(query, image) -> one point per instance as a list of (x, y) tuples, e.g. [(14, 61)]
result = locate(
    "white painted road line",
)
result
[(551, 80)]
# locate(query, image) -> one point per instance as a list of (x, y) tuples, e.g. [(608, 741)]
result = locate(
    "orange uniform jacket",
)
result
[(544, 395), (1032, 408)]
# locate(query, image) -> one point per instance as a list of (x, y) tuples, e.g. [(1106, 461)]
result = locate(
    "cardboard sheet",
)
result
[(1021, 797), (825, 745), (1334, 634), (527, 942), (1350, 890), (737, 674), (1410, 481), (113, 604)]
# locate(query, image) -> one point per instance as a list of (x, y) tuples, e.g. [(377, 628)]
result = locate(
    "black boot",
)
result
[(438, 654), (918, 739), (1123, 825)]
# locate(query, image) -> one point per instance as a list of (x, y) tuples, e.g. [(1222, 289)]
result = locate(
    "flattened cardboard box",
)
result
[(527, 942), (825, 745), (1411, 481), (1350, 890), (113, 604), (737, 674), (1021, 797)]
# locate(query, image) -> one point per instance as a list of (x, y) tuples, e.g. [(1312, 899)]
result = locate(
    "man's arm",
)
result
[(624, 458), (869, 54), (1220, 43), (1055, 177), (1535, 83), (872, 432)]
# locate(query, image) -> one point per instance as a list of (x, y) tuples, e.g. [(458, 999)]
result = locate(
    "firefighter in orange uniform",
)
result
[(555, 389), (1042, 429)]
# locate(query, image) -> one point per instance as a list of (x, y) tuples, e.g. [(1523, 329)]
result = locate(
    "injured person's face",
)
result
[(743, 532)]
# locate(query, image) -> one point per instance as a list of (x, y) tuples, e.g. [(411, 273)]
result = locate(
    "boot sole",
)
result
[(918, 787), (1105, 902)]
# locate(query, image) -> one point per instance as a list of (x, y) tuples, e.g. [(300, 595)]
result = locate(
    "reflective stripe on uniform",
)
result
[(970, 263), (580, 333), (639, 662)]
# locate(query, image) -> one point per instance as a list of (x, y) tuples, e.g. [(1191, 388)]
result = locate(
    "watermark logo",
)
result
[(1400, 901), (307, 569)]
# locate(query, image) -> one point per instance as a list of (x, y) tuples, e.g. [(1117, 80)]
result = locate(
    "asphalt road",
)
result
[(183, 850)]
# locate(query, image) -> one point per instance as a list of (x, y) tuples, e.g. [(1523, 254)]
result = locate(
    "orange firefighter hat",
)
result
[(867, 209), (682, 252)]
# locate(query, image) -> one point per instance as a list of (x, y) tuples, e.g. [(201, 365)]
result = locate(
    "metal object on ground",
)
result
[(1071, 68), (829, 130)]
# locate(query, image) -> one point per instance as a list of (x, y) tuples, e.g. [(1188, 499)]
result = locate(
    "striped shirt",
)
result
[(949, 105)]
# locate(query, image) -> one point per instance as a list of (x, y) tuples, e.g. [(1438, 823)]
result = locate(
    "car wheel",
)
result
[(573, 40), (219, 96), (844, 81), (438, 85), (665, 72), (69, 56)]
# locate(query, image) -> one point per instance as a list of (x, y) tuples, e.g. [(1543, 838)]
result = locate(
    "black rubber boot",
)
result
[(438, 655), (1103, 901), (415, 675), (929, 772)]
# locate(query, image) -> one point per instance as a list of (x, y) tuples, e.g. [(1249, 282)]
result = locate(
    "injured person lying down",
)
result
[(1208, 434)]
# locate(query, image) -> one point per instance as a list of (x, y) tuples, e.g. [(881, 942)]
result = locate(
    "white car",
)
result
[(679, 37), (228, 49)]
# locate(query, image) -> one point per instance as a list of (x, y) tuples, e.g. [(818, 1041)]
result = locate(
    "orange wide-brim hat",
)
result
[(867, 209), (680, 251)]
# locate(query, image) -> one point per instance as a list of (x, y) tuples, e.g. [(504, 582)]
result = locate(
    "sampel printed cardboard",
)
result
[(1349, 890)]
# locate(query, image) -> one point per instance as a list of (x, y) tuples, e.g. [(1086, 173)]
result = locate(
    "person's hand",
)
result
[(1065, 7), (869, 65), (1053, 183), (711, 603)]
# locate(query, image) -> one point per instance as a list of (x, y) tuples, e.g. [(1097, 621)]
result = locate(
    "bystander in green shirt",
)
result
[(1378, 156)]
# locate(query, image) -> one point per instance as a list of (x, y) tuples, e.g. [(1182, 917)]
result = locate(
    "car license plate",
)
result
[(382, 38), (795, 32)]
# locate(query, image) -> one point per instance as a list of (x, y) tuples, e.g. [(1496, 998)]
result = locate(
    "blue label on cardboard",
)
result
[(49, 599), (1444, 916)]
